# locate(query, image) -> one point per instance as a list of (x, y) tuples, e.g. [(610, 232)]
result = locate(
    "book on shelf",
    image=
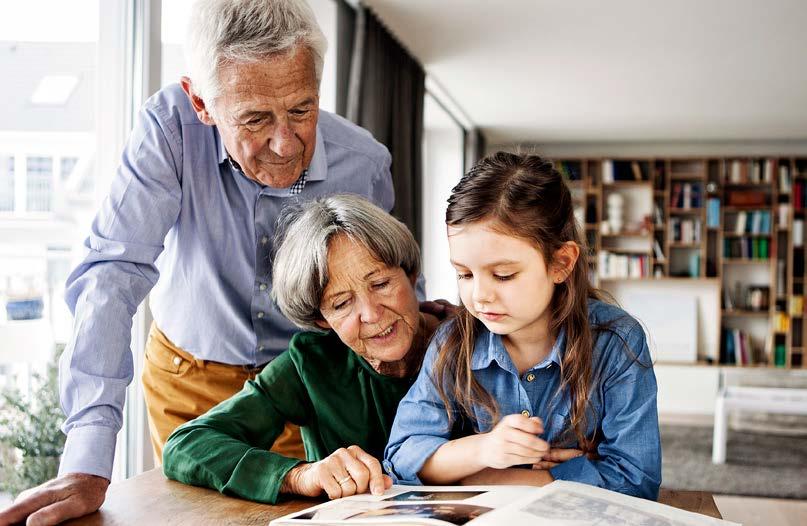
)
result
[(798, 233), (558, 503), (736, 348), (713, 212), (685, 230), (781, 321), (607, 171), (796, 305), (658, 252), (619, 266), (746, 248), (686, 196), (755, 222), (785, 182), (636, 169), (784, 214)]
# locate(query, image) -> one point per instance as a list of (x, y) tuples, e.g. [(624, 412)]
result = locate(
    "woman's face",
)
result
[(370, 306)]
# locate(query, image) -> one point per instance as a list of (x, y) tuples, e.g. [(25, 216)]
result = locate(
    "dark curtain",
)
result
[(384, 95)]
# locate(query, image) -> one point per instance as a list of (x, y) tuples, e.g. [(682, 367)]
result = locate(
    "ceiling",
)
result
[(624, 70)]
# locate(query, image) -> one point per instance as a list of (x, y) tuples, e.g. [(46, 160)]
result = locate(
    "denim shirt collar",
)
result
[(317, 171), (490, 348)]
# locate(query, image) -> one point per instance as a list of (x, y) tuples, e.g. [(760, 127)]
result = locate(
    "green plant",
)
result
[(31, 441)]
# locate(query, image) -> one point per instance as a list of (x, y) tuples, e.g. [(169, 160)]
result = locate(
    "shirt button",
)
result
[(264, 240), (260, 348), (262, 286), (530, 377), (260, 315), (525, 413), (177, 360)]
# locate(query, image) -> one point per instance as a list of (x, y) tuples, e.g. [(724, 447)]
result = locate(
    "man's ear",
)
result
[(197, 102), (564, 260), (323, 324)]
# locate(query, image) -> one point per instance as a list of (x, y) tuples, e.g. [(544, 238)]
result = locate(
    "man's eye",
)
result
[(504, 277), (255, 121), (299, 113)]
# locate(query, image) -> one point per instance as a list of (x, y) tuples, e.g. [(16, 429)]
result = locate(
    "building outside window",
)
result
[(6, 183), (39, 183)]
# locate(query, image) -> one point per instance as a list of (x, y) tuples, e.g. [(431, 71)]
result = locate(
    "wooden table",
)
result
[(150, 498)]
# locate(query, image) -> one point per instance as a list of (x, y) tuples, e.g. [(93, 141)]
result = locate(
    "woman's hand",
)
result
[(343, 473), (514, 441)]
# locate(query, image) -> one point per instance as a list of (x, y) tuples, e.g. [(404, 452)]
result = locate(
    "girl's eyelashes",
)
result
[(507, 277), (466, 275)]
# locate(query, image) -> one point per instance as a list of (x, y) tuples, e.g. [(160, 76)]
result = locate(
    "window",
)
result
[(39, 184), (443, 147), (6, 183)]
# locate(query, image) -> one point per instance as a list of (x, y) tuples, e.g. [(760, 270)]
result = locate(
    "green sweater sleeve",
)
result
[(227, 447)]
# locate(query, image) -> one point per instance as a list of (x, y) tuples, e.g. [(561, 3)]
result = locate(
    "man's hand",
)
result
[(343, 473), (66, 497), (440, 309)]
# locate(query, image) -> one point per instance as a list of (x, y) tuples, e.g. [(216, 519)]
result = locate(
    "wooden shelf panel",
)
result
[(746, 313)]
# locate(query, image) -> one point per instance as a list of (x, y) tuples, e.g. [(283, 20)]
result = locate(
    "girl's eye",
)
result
[(466, 275), (504, 278)]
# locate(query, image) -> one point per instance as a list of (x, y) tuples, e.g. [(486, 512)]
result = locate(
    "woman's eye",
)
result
[(340, 305), (381, 284), (504, 277)]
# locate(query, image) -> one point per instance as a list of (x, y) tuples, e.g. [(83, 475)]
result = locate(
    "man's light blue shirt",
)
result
[(623, 417), (182, 222)]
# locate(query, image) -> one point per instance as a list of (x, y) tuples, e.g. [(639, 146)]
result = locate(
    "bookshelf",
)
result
[(736, 221)]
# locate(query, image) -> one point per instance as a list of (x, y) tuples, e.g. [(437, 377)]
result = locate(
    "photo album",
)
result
[(559, 503)]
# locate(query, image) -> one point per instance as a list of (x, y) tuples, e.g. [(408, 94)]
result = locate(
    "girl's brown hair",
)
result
[(528, 198)]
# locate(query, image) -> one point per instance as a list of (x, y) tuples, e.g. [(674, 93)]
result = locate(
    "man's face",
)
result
[(266, 113)]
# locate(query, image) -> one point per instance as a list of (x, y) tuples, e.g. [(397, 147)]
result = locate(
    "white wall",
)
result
[(442, 169)]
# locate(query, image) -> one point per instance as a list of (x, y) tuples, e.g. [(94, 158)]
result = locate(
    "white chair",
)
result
[(781, 400)]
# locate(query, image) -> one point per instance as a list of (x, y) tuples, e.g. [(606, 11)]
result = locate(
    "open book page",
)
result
[(437, 505), (564, 503)]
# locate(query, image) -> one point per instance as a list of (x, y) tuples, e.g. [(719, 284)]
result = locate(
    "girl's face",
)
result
[(503, 280)]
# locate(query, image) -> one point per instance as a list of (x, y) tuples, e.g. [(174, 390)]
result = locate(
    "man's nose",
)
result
[(283, 142)]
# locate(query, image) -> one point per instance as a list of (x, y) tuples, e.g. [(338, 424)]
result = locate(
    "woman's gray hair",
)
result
[(304, 230), (221, 32)]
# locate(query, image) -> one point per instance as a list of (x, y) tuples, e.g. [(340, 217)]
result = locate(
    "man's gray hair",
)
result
[(222, 32), (300, 269)]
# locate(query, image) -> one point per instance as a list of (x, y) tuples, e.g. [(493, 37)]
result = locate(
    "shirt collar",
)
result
[(318, 169), (490, 347)]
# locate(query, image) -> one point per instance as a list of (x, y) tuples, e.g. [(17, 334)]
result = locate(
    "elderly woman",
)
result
[(345, 271)]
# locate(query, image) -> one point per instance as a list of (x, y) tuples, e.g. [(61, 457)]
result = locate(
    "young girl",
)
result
[(534, 371)]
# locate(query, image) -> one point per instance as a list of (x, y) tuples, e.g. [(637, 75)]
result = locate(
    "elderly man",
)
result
[(207, 169)]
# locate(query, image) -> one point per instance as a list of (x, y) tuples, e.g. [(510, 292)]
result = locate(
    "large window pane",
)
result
[(48, 51), (443, 141)]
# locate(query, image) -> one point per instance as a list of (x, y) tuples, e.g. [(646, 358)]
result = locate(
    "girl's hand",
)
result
[(343, 473), (514, 441), (556, 456)]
